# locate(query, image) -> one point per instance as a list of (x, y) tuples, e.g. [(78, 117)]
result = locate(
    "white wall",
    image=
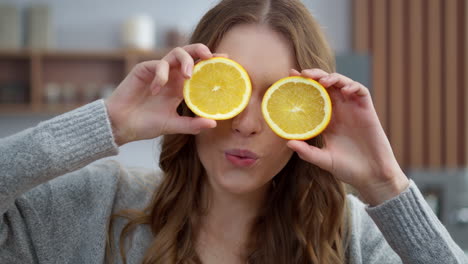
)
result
[(94, 24), (336, 20)]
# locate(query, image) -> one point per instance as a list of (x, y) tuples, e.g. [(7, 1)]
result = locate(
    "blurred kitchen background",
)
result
[(57, 55)]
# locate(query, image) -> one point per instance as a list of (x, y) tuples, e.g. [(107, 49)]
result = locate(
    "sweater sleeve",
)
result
[(52, 148), (413, 230), (51, 219), (401, 230)]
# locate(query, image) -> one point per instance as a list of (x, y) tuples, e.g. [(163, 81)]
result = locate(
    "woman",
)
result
[(288, 207)]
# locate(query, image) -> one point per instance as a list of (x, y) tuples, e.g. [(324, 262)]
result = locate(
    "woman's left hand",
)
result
[(356, 149)]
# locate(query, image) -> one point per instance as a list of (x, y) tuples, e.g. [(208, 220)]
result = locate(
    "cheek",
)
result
[(279, 153), (207, 146), (202, 146)]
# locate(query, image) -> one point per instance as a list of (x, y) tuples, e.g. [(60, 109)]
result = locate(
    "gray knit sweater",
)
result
[(56, 205)]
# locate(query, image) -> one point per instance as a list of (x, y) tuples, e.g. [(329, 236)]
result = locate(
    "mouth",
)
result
[(241, 157)]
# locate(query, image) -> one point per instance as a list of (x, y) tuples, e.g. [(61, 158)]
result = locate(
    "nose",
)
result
[(250, 121)]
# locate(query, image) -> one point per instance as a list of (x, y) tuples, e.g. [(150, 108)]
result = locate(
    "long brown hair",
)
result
[(304, 219)]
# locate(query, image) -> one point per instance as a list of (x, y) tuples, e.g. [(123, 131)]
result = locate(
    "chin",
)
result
[(239, 182)]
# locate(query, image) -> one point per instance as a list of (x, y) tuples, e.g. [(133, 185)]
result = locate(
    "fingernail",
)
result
[(188, 70)]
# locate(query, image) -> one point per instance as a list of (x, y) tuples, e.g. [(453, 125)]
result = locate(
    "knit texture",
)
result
[(56, 206)]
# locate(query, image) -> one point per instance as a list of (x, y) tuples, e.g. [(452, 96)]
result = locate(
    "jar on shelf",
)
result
[(106, 91), (52, 94), (69, 93), (89, 92), (138, 32)]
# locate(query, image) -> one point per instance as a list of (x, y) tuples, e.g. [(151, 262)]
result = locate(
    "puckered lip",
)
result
[(242, 153)]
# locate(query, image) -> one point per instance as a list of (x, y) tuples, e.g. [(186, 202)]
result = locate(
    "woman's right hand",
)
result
[(144, 104)]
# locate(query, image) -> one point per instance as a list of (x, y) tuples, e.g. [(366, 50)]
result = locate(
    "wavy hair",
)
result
[(304, 219)]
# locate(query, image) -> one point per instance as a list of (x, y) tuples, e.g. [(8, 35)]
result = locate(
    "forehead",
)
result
[(265, 54)]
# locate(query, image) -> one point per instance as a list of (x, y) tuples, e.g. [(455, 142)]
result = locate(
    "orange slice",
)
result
[(219, 89), (297, 108)]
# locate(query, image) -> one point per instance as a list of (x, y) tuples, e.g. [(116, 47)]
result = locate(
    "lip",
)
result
[(241, 157)]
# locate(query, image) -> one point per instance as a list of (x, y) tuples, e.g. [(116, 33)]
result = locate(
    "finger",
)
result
[(312, 154), (196, 51), (354, 88), (189, 125), (143, 71), (184, 59), (335, 79), (161, 76), (199, 51), (359, 89), (294, 72), (224, 55), (314, 73)]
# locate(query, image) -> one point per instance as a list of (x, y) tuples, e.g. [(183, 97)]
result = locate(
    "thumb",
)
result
[(189, 125), (312, 154)]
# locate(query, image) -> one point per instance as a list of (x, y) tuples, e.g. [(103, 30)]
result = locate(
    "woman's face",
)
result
[(241, 155)]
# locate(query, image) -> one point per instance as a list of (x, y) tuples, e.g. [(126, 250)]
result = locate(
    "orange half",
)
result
[(297, 108)]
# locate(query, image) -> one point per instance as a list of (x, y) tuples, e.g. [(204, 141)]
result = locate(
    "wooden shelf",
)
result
[(4, 54), (25, 53), (27, 76), (15, 108), (58, 108), (27, 109)]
